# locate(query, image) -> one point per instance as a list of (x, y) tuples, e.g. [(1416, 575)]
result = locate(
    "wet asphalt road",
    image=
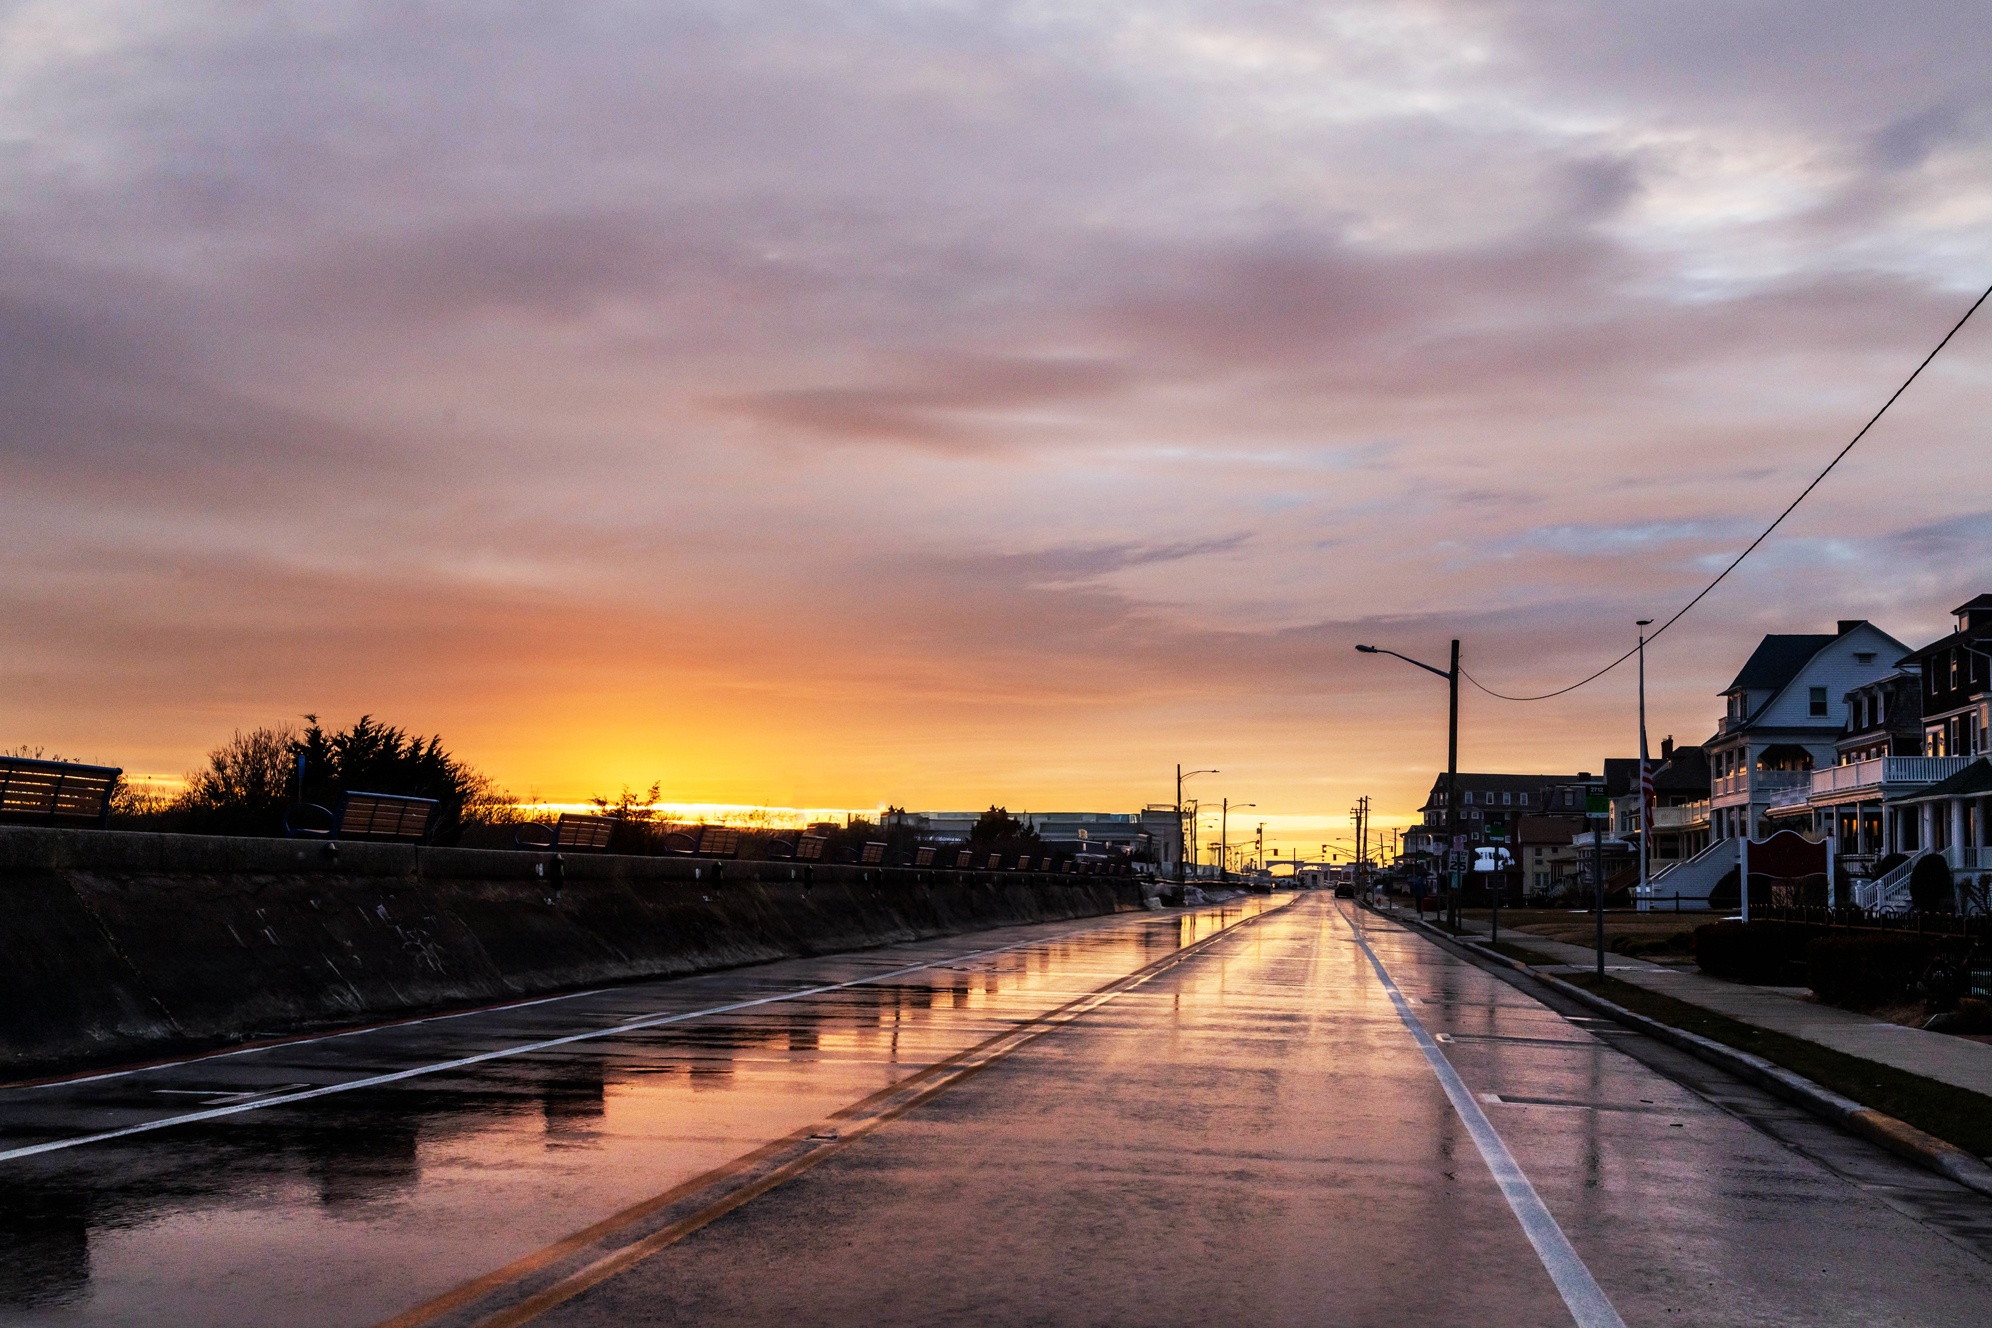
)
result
[(1246, 1133)]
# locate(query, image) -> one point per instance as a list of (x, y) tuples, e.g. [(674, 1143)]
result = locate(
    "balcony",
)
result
[(1762, 782), (1888, 773)]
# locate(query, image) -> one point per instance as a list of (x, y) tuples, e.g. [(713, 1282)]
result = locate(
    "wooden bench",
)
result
[(383, 818), (55, 792), (704, 841), (569, 834)]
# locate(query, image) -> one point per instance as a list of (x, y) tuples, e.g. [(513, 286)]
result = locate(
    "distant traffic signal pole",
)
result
[(1452, 768)]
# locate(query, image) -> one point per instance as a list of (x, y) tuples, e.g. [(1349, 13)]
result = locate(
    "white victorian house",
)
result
[(1785, 719)]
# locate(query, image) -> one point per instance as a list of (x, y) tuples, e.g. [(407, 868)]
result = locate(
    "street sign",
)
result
[(1597, 804)]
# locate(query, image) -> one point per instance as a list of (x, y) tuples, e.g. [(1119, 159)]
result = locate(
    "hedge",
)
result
[(1772, 953), (1864, 969)]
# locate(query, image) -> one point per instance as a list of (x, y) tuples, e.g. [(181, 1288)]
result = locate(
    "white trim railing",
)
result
[(1876, 771)]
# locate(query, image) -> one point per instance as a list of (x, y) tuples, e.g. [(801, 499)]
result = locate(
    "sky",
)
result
[(945, 404)]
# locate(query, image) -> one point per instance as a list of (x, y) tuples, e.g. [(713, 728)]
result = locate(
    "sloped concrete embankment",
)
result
[(119, 946)]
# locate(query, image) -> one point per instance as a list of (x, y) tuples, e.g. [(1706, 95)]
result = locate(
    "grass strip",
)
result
[(1522, 953), (1955, 1115)]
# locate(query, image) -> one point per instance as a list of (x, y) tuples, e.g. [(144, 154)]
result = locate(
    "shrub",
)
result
[(245, 785), (1930, 885), (1863, 969), (1763, 952)]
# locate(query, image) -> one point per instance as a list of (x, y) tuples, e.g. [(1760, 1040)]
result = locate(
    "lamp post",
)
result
[(1451, 676), (1189, 840)]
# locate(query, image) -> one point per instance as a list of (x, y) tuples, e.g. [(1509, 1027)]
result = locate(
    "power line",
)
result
[(1837, 458)]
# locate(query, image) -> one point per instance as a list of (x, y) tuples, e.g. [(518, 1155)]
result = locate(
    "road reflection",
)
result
[(348, 1208)]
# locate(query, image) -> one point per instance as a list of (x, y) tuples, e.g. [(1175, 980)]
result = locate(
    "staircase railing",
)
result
[(1888, 892)]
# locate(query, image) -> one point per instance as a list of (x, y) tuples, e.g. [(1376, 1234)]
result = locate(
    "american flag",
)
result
[(1646, 786)]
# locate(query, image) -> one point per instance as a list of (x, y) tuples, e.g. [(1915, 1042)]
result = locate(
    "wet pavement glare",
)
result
[(1249, 1136), (347, 1208)]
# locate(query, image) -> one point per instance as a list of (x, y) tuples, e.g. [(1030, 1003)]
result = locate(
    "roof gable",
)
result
[(1777, 660)]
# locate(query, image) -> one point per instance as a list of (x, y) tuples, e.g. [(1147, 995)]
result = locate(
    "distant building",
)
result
[(1546, 852), (1680, 803), (1157, 823), (1491, 810)]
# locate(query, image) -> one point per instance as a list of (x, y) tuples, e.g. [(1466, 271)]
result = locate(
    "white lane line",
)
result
[(523, 1049), (1588, 1304)]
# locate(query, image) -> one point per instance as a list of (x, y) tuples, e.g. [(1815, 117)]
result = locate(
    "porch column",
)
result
[(1957, 839), (1927, 818), (1860, 828)]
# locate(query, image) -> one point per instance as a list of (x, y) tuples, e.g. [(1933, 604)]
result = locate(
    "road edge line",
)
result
[(1586, 1300), (1877, 1127)]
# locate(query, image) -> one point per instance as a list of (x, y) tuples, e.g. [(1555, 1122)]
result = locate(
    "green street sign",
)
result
[(1597, 804)]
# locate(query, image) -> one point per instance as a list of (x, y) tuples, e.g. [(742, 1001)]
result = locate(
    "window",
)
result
[(1523, 798), (1816, 697), (1863, 657), (1506, 798)]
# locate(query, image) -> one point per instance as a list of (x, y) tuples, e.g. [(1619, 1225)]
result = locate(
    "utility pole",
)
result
[(1645, 783), (1598, 824)]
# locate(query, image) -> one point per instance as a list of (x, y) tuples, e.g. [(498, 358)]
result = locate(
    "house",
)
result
[(1955, 698), (1899, 783), (1680, 804), (1491, 809), (1781, 722), (1546, 852)]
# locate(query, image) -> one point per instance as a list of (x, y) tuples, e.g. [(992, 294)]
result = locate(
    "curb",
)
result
[(1898, 1137)]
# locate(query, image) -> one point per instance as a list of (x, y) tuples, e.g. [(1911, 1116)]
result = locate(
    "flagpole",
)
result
[(1645, 785)]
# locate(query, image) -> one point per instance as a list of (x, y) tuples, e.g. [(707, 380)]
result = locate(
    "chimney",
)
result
[(1667, 748), (1849, 624)]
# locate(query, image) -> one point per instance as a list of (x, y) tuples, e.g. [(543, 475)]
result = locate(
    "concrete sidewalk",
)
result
[(1939, 1056)]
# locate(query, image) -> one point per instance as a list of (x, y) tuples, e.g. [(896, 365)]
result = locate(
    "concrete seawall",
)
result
[(117, 946)]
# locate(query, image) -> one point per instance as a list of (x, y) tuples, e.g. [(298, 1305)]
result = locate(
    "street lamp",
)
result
[(1189, 840), (1452, 762), (1224, 838)]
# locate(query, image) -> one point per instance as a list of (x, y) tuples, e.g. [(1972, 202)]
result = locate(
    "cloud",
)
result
[(795, 360)]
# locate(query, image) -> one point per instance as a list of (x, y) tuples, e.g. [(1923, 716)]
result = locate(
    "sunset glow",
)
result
[(833, 407)]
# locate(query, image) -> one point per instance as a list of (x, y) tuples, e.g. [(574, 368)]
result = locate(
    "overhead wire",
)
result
[(1792, 506)]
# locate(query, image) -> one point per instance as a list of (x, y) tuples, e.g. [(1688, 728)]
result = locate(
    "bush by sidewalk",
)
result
[(1861, 970), (1773, 953)]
